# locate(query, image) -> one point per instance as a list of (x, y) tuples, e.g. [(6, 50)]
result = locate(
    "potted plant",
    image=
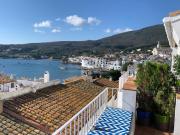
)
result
[(164, 97), (155, 94), (144, 110), (144, 93), (164, 106)]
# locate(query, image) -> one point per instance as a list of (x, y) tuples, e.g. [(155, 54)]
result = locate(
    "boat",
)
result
[(63, 68)]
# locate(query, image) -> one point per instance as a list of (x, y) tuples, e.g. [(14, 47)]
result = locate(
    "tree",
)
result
[(177, 65), (115, 74)]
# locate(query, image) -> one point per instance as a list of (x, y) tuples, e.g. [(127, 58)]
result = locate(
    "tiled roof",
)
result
[(49, 108), (5, 79), (174, 13), (12, 126), (74, 79), (106, 83), (130, 84)]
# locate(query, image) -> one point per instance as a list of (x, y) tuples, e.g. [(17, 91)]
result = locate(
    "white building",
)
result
[(113, 65), (7, 84), (32, 83), (101, 63), (76, 60), (172, 27), (163, 52)]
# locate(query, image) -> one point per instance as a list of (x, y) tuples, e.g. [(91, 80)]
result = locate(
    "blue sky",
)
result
[(25, 21)]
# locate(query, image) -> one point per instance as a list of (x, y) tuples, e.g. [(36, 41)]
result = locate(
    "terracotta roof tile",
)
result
[(74, 79), (49, 108), (5, 79), (172, 14), (106, 83), (12, 126), (130, 84)]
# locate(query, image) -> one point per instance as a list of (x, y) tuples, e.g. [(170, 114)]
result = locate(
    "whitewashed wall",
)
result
[(28, 82), (127, 100), (177, 118)]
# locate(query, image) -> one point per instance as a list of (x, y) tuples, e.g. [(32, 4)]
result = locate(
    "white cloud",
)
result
[(75, 20), (43, 24), (78, 21), (93, 20), (56, 30), (108, 30), (38, 31), (118, 30)]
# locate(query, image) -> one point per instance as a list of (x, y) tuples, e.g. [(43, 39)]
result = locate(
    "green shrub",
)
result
[(115, 74), (177, 65), (155, 93), (164, 103)]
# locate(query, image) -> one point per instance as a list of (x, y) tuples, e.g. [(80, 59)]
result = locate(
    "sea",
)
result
[(35, 68)]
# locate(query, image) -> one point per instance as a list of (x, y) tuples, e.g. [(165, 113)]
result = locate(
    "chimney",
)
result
[(158, 45), (110, 78), (46, 77)]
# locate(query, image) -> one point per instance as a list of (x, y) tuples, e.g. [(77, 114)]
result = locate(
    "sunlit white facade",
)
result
[(102, 63), (172, 27)]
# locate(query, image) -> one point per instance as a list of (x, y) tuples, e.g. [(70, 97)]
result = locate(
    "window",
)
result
[(12, 85), (175, 45)]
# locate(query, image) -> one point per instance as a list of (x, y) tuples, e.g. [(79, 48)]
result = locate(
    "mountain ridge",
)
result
[(145, 37)]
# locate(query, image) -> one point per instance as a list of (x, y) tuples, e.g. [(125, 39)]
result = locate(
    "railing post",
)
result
[(75, 127), (70, 128), (78, 124)]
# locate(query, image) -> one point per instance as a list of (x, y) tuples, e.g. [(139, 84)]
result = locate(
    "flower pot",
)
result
[(161, 122), (144, 118), (171, 124)]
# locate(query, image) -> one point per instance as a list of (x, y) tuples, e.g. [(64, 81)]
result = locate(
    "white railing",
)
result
[(112, 98), (83, 121)]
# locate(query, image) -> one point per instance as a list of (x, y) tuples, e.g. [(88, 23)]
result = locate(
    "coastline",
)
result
[(34, 68)]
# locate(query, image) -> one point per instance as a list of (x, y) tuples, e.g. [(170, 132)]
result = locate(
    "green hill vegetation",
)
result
[(143, 38)]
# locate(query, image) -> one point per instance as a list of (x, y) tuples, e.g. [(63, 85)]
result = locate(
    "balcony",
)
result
[(101, 116)]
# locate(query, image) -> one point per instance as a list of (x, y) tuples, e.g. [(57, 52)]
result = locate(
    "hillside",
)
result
[(146, 37), (143, 37)]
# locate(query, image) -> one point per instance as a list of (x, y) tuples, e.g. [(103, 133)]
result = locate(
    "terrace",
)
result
[(96, 117)]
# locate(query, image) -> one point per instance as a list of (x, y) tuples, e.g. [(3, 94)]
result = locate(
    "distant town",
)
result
[(117, 60)]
